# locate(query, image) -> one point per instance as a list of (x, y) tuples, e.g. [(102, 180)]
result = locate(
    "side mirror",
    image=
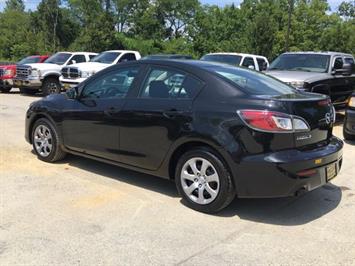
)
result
[(73, 93), (251, 67)]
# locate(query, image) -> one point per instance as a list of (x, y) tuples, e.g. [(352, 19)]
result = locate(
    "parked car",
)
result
[(167, 56), (34, 77), (74, 74), (8, 71), (329, 73), (217, 130), (256, 62), (349, 121)]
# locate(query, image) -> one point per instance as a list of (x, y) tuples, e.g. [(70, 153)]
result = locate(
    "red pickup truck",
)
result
[(8, 72)]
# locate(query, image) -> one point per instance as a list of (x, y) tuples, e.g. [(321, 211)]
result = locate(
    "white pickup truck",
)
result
[(77, 73), (251, 61), (31, 78)]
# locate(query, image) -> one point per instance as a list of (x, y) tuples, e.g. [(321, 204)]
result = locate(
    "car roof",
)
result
[(240, 54), (120, 51), (331, 53)]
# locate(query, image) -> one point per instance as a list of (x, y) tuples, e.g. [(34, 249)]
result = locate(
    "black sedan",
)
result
[(218, 131), (349, 122)]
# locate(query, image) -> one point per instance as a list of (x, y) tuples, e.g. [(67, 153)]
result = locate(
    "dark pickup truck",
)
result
[(329, 73)]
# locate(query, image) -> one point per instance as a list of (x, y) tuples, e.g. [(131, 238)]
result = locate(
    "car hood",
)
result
[(90, 66), (7, 66), (45, 66), (292, 76)]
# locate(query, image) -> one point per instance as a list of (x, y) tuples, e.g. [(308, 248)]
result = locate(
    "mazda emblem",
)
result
[(328, 118)]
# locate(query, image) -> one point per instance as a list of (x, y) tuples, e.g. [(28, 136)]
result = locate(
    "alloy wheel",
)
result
[(200, 180), (43, 140)]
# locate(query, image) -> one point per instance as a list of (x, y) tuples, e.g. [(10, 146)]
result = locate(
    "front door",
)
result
[(92, 124), (160, 114)]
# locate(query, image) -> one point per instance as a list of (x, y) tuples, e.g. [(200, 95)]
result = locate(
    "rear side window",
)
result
[(261, 63), (170, 84), (251, 82), (248, 61), (91, 56), (349, 60)]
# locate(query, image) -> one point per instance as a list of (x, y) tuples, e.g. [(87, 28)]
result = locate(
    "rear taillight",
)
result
[(270, 121)]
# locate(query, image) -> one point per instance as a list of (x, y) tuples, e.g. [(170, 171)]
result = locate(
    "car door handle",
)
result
[(172, 113), (111, 111)]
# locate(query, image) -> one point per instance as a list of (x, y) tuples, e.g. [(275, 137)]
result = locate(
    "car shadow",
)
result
[(149, 182), (289, 211)]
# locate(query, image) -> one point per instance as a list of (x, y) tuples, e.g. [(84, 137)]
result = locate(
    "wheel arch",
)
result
[(33, 121), (190, 145)]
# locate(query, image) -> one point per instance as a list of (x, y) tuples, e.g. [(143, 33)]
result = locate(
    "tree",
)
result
[(347, 10), (17, 5)]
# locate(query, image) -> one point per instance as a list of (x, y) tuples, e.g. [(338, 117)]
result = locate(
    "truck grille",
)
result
[(23, 71), (2, 72), (70, 72)]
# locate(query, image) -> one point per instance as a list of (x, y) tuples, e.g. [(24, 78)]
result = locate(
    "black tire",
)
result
[(346, 135), (56, 153), (5, 90), (51, 86), (226, 191), (28, 91)]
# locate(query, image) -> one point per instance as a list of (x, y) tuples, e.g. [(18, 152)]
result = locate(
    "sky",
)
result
[(32, 4)]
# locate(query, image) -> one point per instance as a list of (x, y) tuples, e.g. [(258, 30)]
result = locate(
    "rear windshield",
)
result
[(252, 82), (223, 58), (30, 60)]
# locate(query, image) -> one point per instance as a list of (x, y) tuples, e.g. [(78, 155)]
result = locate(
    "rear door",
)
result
[(92, 124), (161, 112)]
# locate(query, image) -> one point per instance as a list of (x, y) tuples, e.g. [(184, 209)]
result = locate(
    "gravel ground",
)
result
[(82, 212)]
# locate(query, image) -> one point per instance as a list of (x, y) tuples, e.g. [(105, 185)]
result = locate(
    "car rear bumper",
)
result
[(288, 172), (349, 124)]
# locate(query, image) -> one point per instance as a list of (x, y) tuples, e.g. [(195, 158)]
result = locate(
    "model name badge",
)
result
[(303, 137)]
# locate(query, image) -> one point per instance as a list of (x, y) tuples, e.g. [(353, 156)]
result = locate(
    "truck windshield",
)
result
[(251, 82), (58, 58), (106, 57), (301, 62), (223, 58), (29, 60)]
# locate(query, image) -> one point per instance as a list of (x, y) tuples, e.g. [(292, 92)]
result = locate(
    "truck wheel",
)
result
[(50, 86), (28, 91), (5, 90)]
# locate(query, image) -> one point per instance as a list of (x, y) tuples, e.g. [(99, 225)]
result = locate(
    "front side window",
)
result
[(115, 84), (251, 82), (79, 58), (170, 84), (106, 57), (301, 62), (248, 62), (338, 63), (223, 58), (58, 58), (128, 57)]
